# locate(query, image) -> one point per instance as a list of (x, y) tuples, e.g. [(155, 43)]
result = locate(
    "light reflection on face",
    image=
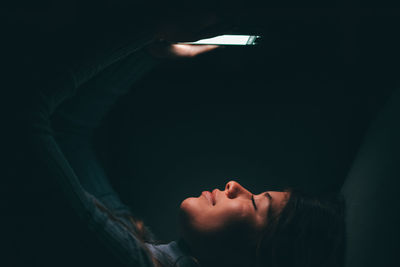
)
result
[(232, 215)]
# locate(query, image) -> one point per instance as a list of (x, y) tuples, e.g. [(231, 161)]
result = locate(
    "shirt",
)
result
[(174, 254)]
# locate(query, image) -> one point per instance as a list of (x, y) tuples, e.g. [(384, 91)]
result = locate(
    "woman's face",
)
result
[(234, 214)]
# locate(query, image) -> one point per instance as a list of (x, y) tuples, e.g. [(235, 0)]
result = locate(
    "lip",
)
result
[(209, 196)]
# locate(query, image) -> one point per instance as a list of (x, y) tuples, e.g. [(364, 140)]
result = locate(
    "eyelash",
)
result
[(254, 203)]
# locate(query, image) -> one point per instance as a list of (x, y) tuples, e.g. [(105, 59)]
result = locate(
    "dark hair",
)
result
[(308, 232)]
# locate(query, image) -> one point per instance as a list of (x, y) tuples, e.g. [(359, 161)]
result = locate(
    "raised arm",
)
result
[(58, 126)]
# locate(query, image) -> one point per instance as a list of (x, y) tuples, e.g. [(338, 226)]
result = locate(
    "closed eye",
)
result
[(254, 203)]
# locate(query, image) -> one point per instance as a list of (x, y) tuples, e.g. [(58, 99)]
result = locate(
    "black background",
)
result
[(290, 111)]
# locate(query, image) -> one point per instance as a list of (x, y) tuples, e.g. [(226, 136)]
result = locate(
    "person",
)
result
[(230, 227)]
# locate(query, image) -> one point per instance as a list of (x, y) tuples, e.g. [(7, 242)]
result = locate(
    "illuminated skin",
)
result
[(227, 221), (193, 29), (175, 51)]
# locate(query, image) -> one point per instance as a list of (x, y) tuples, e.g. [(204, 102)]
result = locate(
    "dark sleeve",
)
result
[(70, 229), (75, 121), (73, 211)]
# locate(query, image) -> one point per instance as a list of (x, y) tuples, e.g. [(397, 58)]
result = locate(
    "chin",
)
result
[(185, 218), (187, 209), (188, 204), (191, 211)]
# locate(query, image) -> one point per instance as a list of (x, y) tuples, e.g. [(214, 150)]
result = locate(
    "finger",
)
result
[(199, 49), (185, 50)]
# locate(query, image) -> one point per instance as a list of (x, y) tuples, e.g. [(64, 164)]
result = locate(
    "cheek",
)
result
[(236, 215), (239, 225), (226, 225), (205, 219)]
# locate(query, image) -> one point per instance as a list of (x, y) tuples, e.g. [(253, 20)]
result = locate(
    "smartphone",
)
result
[(227, 40)]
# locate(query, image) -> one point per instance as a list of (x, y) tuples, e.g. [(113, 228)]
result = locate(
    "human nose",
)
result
[(233, 189)]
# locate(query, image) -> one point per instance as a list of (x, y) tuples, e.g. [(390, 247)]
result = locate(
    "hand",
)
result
[(165, 50)]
